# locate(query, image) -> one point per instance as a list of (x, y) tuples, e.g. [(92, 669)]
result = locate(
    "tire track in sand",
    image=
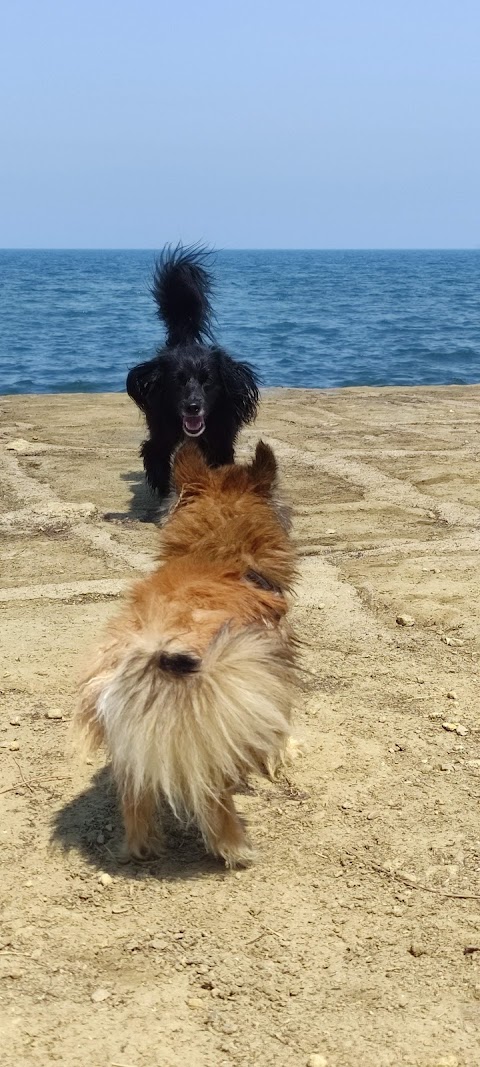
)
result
[(95, 589), (380, 486), (27, 489)]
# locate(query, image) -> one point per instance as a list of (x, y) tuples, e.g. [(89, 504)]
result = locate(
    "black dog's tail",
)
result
[(181, 290)]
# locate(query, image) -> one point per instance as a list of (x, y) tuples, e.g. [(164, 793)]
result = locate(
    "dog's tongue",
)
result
[(193, 424)]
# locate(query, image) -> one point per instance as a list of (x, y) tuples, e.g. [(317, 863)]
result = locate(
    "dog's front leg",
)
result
[(156, 461), (218, 453)]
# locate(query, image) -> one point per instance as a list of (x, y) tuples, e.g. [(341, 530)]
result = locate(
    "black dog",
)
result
[(192, 388)]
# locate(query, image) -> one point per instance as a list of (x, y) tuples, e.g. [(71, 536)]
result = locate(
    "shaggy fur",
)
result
[(191, 687), (192, 388)]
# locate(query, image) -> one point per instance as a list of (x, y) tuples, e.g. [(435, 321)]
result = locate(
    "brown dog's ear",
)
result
[(190, 471), (263, 469)]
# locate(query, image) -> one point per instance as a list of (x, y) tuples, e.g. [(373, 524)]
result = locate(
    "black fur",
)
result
[(190, 378), (178, 662)]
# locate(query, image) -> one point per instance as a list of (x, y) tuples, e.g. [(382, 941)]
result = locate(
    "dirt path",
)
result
[(356, 937)]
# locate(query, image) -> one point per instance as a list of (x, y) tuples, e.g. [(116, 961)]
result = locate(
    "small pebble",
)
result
[(417, 949), (316, 1060), (405, 620), (54, 713), (452, 695), (455, 728), (195, 1002), (157, 944), (104, 878), (229, 1028), (14, 722), (402, 1001), (18, 445), (100, 839), (99, 995)]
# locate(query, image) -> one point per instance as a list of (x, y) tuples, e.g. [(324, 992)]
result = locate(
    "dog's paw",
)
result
[(293, 749), (140, 852), (277, 763), (242, 856)]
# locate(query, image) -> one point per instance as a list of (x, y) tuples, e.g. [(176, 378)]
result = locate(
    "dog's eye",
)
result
[(203, 378)]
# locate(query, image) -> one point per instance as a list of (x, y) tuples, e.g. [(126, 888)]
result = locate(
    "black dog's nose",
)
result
[(192, 408)]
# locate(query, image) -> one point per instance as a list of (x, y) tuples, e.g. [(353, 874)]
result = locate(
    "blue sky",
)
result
[(265, 124)]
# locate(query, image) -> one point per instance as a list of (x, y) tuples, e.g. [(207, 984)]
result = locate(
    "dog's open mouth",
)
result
[(193, 425)]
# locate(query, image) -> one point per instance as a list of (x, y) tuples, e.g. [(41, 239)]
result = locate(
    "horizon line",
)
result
[(243, 248)]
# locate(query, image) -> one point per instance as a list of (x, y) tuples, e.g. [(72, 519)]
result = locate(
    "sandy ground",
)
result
[(355, 937)]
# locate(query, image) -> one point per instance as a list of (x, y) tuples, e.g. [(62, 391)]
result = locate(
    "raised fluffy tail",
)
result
[(189, 728), (181, 289)]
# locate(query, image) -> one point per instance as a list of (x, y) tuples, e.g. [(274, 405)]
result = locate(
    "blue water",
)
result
[(76, 321)]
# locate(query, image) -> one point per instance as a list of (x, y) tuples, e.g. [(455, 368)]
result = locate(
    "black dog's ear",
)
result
[(240, 383), (142, 381), (190, 470), (262, 470)]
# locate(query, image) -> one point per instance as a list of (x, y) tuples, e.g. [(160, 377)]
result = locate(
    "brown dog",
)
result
[(191, 687)]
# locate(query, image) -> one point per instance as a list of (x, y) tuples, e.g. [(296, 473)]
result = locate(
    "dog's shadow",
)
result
[(91, 824), (144, 505)]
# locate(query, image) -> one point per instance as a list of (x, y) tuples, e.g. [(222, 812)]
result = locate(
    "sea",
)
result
[(76, 321)]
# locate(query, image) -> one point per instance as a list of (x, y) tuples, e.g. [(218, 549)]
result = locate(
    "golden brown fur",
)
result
[(191, 687)]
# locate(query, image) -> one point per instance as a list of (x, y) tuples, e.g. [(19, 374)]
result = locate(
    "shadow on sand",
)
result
[(144, 505), (91, 824)]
